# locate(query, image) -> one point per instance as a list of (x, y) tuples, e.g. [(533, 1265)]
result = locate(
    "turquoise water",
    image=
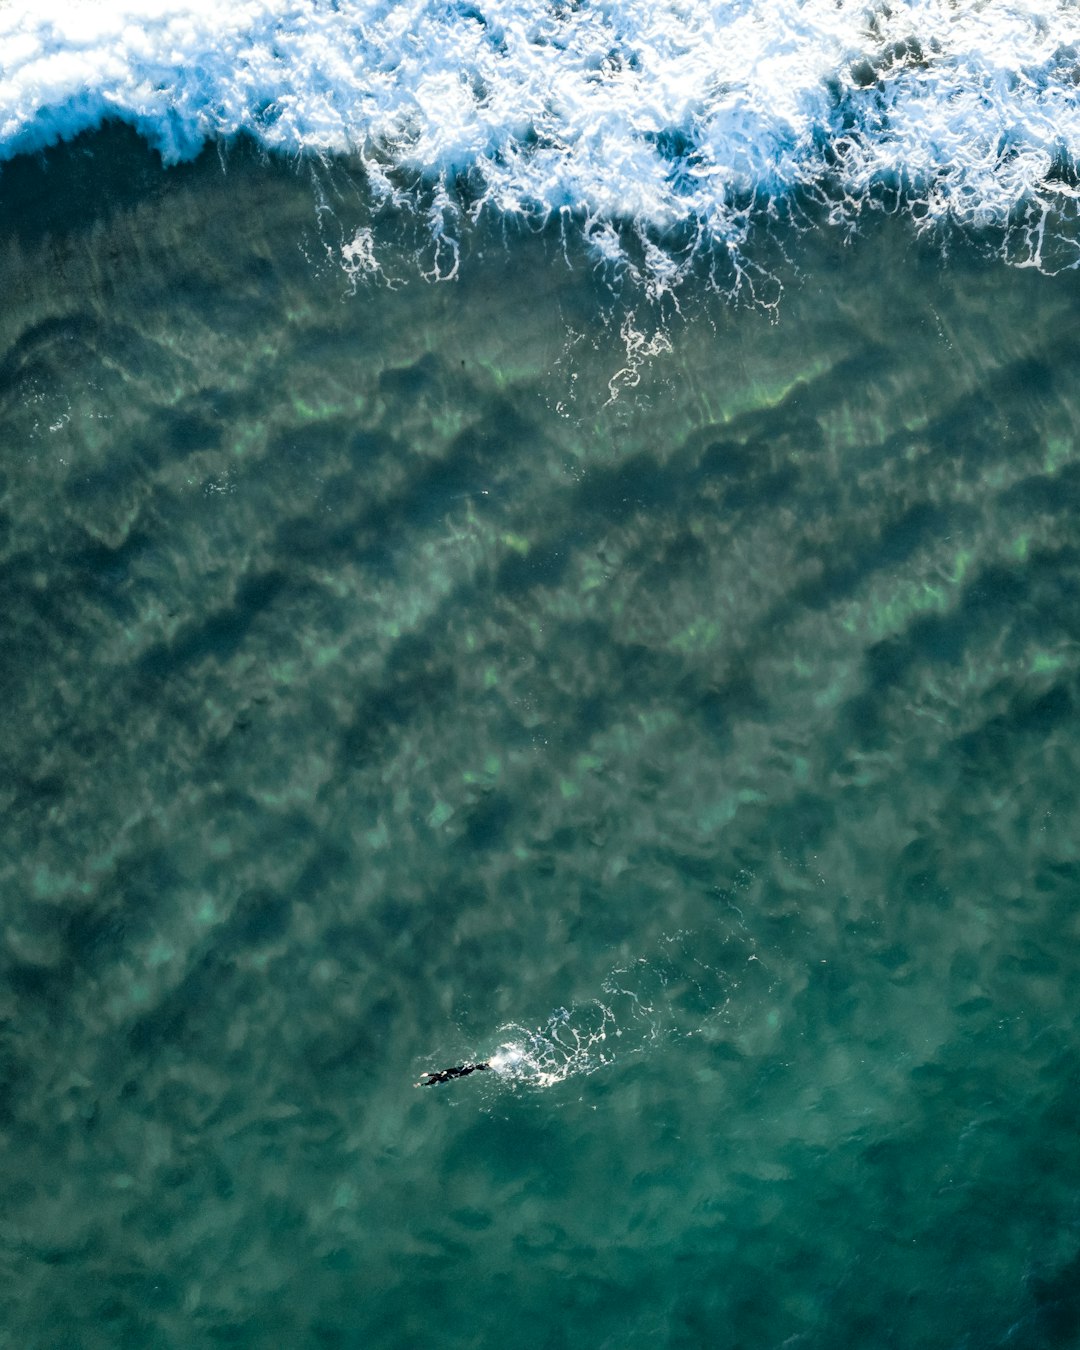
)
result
[(398, 670)]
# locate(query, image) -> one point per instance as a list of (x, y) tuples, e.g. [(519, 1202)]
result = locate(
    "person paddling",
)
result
[(444, 1075)]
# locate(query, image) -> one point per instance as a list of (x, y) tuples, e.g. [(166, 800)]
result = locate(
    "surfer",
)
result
[(444, 1075)]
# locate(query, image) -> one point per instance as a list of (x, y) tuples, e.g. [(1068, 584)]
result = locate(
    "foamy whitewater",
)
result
[(688, 120)]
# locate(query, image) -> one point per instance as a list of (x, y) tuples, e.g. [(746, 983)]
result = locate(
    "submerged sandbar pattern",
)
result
[(677, 713)]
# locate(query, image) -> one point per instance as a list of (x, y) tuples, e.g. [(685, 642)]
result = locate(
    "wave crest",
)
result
[(688, 118)]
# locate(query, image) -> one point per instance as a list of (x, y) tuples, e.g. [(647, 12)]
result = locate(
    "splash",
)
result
[(677, 993), (571, 1043)]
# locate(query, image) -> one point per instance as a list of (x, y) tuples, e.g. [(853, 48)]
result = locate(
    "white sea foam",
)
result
[(689, 114)]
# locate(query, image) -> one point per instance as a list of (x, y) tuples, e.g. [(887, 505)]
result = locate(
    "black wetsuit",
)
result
[(444, 1075)]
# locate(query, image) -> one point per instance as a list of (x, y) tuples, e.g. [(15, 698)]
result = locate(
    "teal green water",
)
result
[(393, 670)]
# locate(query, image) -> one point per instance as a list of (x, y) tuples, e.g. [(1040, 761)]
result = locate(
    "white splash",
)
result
[(568, 1045), (684, 115), (674, 993)]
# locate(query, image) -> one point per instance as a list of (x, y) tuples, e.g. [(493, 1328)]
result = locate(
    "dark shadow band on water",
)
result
[(76, 185)]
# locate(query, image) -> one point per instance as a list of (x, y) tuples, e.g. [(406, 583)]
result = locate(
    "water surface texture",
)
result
[(671, 699)]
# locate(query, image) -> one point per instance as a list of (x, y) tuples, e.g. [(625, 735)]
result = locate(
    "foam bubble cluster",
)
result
[(572, 1042), (674, 116)]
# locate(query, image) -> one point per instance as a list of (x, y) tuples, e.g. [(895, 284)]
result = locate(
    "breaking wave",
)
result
[(687, 122)]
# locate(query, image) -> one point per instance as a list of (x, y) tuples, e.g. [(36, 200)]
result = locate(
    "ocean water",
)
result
[(545, 536)]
